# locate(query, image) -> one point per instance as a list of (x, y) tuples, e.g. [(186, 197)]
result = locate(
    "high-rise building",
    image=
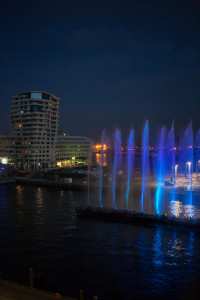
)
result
[(34, 123)]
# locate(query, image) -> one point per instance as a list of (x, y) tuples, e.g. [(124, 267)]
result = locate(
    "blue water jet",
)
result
[(171, 163), (145, 162), (160, 171), (186, 162), (129, 164), (197, 153), (117, 163), (189, 133)]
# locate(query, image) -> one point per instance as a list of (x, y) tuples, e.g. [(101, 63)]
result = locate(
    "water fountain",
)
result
[(117, 163), (160, 170), (145, 163), (129, 165), (197, 154), (165, 182), (172, 164), (187, 150)]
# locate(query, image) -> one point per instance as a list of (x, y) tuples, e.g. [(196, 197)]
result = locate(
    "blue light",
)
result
[(160, 170), (130, 164), (145, 161), (117, 162)]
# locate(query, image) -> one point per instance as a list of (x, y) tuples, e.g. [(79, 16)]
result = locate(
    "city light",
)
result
[(176, 169), (98, 147), (189, 166), (4, 161)]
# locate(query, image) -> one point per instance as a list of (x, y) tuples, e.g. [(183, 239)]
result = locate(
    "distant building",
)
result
[(72, 150), (6, 148), (34, 122)]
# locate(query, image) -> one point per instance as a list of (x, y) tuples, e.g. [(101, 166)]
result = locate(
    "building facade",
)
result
[(6, 148), (72, 150), (34, 122)]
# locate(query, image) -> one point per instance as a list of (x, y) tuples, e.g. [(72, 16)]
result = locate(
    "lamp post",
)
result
[(176, 169), (189, 167), (198, 167)]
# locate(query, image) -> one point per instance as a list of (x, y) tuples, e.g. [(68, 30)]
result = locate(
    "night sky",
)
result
[(112, 63)]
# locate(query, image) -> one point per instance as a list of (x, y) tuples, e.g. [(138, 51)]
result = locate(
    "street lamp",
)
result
[(189, 166), (176, 168), (198, 168)]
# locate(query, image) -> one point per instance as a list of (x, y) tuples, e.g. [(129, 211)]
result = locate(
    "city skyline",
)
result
[(113, 64)]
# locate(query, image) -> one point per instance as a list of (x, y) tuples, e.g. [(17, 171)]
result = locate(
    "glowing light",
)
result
[(176, 169), (145, 160), (130, 164), (98, 147), (4, 161), (189, 165)]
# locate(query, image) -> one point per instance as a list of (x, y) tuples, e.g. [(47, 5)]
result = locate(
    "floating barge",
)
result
[(132, 217)]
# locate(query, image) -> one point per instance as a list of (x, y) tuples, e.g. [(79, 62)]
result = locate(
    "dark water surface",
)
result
[(38, 226)]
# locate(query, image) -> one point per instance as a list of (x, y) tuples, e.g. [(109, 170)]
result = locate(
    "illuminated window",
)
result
[(36, 96)]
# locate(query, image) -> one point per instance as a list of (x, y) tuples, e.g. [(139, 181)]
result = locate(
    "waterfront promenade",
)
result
[(14, 291)]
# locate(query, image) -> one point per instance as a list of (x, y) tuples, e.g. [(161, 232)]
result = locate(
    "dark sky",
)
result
[(112, 63)]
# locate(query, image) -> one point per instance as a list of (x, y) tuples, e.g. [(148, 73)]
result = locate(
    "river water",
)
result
[(38, 227)]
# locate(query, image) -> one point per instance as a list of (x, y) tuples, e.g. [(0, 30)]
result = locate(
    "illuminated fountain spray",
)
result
[(197, 156), (145, 162), (101, 168), (172, 165), (117, 163), (189, 133), (160, 170), (187, 162), (129, 164)]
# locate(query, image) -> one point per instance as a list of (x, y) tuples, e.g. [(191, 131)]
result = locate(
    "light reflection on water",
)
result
[(157, 244), (105, 259), (183, 210), (98, 159), (39, 197), (20, 202), (20, 198)]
